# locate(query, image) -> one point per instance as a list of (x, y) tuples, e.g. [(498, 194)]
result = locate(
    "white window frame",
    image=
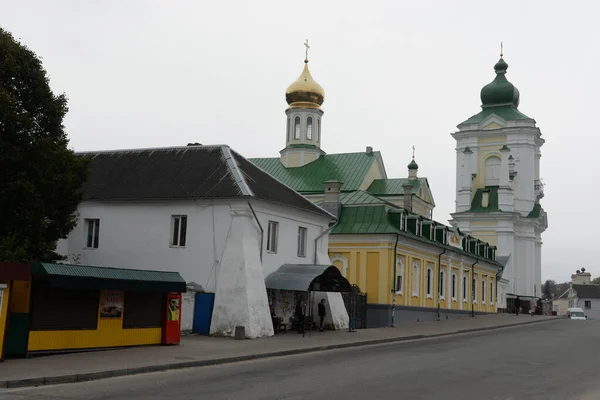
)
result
[(297, 128), (272, 236), (302, 237), (400, 274), (343, 260), (483, 288), (309, 126), (491, 292), (92, 233), (453, 286), (177, 223), (442, 283), (429, 278), (416, 277), (465, 282), (474, 288), (318, 130)]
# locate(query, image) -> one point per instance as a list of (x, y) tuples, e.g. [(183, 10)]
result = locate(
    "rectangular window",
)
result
[(93, 232), (453, 286), (474, 289), (588, 304), (54, 309), (464, 288), (178, 230), (399, 282), (301, 242), (272, 236), (143, 310)]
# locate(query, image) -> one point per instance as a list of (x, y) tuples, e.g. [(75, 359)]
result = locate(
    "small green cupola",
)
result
[(500, 92), (413, 165)]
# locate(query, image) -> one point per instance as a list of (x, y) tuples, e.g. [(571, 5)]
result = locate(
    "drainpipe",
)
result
[(319, 237), (473, 289), (262, 232), (394, 288), (497, 275), (439, 282)]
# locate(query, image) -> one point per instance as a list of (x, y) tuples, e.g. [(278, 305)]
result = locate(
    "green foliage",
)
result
[(596, 281), (549, 289), (40, 178)]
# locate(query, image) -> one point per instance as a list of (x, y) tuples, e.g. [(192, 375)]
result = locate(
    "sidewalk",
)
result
[(195, 351)]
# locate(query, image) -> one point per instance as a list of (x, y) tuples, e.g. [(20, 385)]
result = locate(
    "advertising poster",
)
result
[(174, 310), (111, 304)]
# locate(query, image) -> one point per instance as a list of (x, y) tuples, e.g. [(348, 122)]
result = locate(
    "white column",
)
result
[(465, 189), (505, 192)]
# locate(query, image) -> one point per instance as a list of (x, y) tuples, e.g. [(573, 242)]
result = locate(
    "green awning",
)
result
[(88, 277)]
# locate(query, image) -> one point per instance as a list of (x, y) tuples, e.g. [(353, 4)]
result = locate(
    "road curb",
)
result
[(74, 378)]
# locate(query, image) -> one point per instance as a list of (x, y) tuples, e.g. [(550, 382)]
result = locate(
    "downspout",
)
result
[(473, 289), (394, 288), (319, 237), (497, 275), (439, 282), (262, 232)]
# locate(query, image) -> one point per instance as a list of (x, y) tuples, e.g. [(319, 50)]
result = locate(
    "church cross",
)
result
[(413, 151), (501, 50), (307, 47)]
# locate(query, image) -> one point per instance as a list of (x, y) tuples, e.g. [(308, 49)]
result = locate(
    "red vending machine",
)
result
[(172, 326)]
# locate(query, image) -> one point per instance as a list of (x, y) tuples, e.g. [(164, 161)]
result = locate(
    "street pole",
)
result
[(394, 289), (473, 288)]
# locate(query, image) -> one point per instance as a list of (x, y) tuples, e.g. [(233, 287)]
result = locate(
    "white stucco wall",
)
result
[(137, 235)]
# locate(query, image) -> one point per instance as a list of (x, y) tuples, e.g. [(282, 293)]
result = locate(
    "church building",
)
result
[(384, 240), (498, 185)]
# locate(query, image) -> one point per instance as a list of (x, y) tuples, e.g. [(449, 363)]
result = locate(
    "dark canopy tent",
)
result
[(308, 278)]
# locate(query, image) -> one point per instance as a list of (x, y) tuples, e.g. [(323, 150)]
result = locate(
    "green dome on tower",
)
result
[(500, 92), (413, 165)]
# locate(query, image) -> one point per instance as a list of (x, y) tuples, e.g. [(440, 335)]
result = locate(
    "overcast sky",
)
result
[(142, 73)]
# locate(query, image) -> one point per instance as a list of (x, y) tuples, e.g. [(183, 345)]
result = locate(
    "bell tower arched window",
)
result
[(297, 128), (289, 122), (318, 129), (309, 123), (492, 171)]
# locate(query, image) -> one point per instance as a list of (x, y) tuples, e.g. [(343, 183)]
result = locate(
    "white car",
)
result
[(576, 313)]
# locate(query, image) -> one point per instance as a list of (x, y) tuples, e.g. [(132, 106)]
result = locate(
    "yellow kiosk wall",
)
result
[(4, 315), (110, 333)]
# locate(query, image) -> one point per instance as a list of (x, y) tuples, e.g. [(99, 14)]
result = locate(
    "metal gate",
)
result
[(356, 306)]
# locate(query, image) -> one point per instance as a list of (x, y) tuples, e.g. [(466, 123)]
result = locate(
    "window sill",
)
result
[(454, 299), (90, 248), (271, 252), (399, 293), (415, 295), (429, 296), (176, 247), (302, 255)]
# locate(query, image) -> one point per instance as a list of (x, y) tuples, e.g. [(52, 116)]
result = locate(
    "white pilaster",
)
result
[(505, 192)]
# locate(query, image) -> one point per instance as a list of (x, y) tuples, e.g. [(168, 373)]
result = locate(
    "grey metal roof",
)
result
[(191, 172), (590, 291), (294, 276), (503, 260)]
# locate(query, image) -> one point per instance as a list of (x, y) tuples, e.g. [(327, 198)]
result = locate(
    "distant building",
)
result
[(581, 294), (207, 213)]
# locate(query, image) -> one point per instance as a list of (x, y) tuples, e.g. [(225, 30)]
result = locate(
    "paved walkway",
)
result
[(201, 350)]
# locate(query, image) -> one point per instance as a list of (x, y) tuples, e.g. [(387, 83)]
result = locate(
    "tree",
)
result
[(596, 281), (549, 289), (40, 178)]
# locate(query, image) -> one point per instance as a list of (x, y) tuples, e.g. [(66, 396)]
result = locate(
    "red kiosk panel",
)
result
[(172, 325)]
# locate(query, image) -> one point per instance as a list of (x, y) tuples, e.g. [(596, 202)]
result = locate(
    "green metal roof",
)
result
[(106, 278), (507, 113), (476, 204), (348, 168), (383, 219), (359, 197), (393, 187), (302, 146), (536, 211)]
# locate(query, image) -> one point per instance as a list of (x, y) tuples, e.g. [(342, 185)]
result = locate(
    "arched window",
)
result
[(474, 289), (492, 171), (416, 272), (309, 128), (491, 292), (453, 286), (318, 129), (429, 282), (289, 122), (400, 275), (464, 288), (297, 128)]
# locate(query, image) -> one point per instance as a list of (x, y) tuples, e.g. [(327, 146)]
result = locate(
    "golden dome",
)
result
[(305, 92)]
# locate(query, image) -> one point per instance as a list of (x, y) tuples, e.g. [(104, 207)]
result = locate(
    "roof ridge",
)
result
[(140, 150), (235, 171)]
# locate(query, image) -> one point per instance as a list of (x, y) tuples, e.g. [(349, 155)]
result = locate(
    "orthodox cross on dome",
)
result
[(501, 49), (307, 47), (413, 151)]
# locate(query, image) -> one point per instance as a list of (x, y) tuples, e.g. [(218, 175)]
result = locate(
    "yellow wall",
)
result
[(371, 266), (20, 297), (4, 315), (375, 172), (110, 333)]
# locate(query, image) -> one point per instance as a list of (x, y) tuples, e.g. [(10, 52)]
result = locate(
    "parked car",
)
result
[(576, 313)]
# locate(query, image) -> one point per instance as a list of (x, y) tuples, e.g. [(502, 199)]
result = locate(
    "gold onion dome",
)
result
[(305, 92)]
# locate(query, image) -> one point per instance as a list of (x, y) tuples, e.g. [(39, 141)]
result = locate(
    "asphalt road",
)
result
[(556, 360)]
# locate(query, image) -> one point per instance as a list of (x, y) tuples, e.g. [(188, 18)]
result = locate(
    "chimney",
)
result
[(369, 150), (408, 186), (332, 202)]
